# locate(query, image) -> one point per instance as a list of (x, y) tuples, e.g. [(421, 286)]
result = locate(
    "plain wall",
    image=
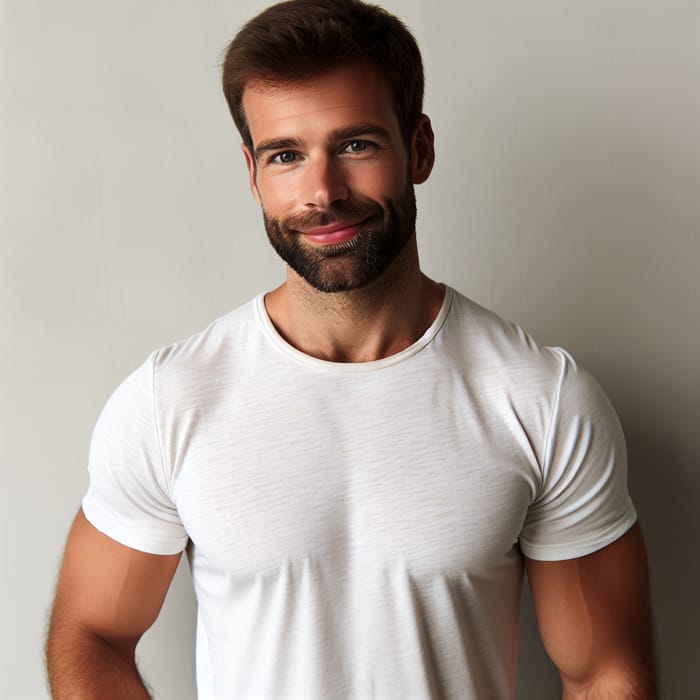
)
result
[(565, 196)]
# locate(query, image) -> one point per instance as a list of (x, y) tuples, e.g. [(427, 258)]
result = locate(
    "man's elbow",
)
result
[(622, 681)]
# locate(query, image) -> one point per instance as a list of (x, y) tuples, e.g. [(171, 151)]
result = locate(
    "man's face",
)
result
[(332, 174)]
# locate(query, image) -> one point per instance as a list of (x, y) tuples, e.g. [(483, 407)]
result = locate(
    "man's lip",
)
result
[(337, 232), (334, 227)]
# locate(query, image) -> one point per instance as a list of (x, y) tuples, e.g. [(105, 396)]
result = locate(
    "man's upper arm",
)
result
[(594, 617), (108, 589)]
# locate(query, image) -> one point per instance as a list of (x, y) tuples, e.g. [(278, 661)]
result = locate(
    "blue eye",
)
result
[(284, 158)]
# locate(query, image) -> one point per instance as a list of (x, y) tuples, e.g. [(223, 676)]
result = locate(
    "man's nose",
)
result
[(325, 183)]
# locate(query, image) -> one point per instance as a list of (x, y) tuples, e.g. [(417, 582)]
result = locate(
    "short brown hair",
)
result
[(300, 39)]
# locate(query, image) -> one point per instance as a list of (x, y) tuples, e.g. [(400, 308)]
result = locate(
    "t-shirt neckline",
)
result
[(352, 367)]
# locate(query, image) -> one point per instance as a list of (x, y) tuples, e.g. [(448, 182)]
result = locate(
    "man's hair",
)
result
[(301, 39)]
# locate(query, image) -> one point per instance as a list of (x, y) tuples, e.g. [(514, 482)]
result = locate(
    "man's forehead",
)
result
[(351, 93)]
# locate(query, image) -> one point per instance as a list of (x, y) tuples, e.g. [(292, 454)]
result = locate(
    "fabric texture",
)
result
[(356, 531)]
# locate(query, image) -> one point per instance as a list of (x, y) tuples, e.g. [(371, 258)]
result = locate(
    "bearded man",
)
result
[(361, 463)]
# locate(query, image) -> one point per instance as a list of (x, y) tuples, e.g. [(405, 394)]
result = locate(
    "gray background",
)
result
[(565, 196)]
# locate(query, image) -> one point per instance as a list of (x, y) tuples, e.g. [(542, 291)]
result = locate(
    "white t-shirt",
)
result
[(355, 530)]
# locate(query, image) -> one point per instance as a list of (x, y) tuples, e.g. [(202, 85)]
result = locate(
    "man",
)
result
[(361, 462)]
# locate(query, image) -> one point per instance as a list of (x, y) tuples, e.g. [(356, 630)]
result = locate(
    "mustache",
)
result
[(342, 212)]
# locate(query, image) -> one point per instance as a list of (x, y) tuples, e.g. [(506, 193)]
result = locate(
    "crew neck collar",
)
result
[(352, 367)]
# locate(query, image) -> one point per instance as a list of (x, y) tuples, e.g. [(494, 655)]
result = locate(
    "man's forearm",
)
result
[(83, 666)]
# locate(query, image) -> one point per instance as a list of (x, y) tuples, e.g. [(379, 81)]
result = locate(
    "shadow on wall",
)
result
[(661, 485)]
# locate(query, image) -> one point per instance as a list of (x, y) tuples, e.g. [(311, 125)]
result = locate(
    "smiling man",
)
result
[(361, 463), (363, 209)]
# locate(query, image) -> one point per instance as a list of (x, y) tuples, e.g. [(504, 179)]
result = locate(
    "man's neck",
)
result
[(360, 325)]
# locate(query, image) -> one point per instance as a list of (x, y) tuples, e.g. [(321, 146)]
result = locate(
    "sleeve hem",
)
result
[(144, 541), (581, 547)]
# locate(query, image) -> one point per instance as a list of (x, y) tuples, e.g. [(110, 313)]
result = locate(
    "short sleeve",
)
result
[(128, 498), (583, 503)]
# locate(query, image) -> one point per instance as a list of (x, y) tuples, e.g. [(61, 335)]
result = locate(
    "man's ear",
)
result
[(252, 172), (422, 150)]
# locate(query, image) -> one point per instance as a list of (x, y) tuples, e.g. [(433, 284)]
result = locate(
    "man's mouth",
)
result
[(337, 232)]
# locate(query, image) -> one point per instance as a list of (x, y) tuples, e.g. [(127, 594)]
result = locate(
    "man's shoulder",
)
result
[(488, 341), (502, 360), (223, 336), (195, 363), (184, 377)]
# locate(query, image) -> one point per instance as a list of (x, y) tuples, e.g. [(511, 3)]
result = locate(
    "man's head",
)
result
[(293, 41), (327, 95)]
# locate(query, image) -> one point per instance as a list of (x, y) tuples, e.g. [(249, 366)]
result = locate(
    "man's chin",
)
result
[(333, 282), (345, 270)]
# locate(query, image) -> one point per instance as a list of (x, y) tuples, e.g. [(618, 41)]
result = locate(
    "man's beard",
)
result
[(351, 264)]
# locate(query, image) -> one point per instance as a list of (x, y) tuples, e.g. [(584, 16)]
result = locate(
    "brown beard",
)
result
[(354, 263)]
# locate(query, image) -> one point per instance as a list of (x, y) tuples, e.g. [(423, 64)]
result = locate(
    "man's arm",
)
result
[(107, 596), (594, 616)]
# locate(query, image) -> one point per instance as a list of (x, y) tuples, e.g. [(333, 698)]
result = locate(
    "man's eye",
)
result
[(284, 158), (357, 146)]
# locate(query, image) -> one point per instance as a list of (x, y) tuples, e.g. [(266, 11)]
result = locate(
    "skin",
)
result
[(594, 616), (107, 596), (593, 612)]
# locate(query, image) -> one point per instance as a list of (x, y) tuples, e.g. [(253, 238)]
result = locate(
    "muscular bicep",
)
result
[(107, 588), (594, 613)]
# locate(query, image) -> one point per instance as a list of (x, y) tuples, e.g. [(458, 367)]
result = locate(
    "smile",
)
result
[(337, 232)]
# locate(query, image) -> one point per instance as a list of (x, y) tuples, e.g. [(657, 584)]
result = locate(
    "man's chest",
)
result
[(431, 485)]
